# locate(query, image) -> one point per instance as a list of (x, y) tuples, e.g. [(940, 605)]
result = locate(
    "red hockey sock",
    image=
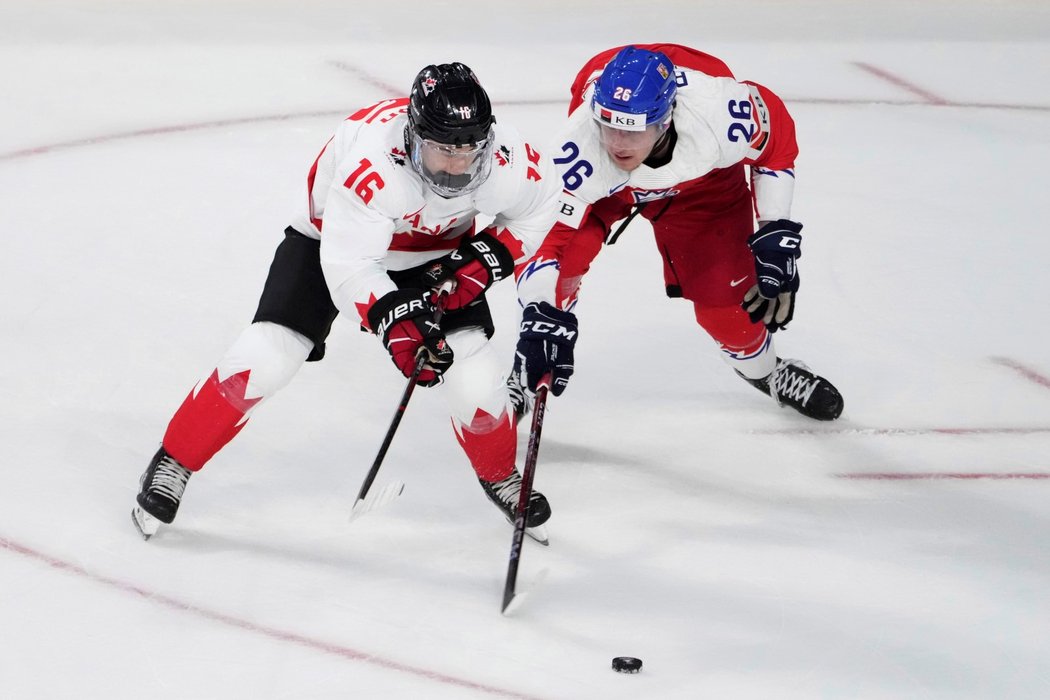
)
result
[(731, 327), (208, 419), (490, 444)]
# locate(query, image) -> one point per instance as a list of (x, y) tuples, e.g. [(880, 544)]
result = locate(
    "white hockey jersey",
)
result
[(719, 122), (372, 212)]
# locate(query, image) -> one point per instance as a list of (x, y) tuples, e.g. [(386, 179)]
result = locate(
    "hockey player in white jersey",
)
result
[(387, 218), (665, 131)]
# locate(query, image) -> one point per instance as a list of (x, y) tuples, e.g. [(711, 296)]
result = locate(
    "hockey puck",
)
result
[(626, 664)]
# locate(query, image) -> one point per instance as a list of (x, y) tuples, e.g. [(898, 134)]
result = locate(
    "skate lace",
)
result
[(509, 490), (790, 384), (170, 479)]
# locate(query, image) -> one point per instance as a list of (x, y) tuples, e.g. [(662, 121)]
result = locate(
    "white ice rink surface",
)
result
[(149, 156)]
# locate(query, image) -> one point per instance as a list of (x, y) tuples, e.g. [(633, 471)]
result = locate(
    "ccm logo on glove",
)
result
[(555, 329)]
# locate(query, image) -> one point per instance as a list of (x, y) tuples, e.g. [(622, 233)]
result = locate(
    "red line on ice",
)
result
[(160, 131), (367, 77), (200, 126), (222, 123), (846, 430), (1023, 370), (900, 82), (271, 632), (905, 476)]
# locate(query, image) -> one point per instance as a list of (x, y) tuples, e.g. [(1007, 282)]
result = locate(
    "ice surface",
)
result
[(148, 161)]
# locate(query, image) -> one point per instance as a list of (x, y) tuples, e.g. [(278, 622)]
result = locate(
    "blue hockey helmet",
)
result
[(637, 89)]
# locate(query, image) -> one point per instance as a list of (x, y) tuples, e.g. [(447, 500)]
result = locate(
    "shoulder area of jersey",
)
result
[(380, 143), (509, 148), (373, 163), (581, 129), (381, 125), (514, 157), (697, 88)]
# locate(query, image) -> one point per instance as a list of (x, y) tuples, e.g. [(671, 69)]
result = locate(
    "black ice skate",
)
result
[(793, 384), (162, 486), (505, 495)]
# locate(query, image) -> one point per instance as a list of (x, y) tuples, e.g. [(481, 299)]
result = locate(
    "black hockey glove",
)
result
[(545, 344), (478, 262), (404, 320), (776, 246)]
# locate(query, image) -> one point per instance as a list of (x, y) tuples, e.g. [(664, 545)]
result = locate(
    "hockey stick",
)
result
[(368, 502), (527, 475)]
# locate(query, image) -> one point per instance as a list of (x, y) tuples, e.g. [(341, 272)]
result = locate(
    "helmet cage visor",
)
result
[(452, 171), (631, 141)]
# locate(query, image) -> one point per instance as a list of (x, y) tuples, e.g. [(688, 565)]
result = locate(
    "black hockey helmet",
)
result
[(449, 106), (449, 134)]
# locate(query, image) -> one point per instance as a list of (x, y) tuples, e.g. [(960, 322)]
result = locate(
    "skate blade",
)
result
[(146, 524), (539, 534), (376, 499)]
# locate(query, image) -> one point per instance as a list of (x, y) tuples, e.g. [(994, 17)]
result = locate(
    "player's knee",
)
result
[(271, 352), (476, 381)]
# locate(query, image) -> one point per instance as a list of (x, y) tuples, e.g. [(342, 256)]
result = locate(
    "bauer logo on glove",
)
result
[(412, 307), (405, 320)]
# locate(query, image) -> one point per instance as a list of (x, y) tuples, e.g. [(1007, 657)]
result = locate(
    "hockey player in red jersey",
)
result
[(665, 131), (388, 217)]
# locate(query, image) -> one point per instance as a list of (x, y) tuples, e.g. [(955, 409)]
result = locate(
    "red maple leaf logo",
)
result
[(503, 156), (362, 311)]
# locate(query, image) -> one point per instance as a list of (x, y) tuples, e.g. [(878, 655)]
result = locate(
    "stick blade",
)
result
[(513, 602), (376, 499)]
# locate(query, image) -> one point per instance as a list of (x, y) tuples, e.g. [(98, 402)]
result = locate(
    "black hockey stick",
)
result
[(366, 502), (526, 491)]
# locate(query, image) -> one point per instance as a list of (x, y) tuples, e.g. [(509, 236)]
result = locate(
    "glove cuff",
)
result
[(548, 310), (486, 249)]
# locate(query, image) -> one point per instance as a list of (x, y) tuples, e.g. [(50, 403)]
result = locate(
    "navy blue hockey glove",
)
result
[(404, 319), (478, 262), (776, 246), (545, 344)]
